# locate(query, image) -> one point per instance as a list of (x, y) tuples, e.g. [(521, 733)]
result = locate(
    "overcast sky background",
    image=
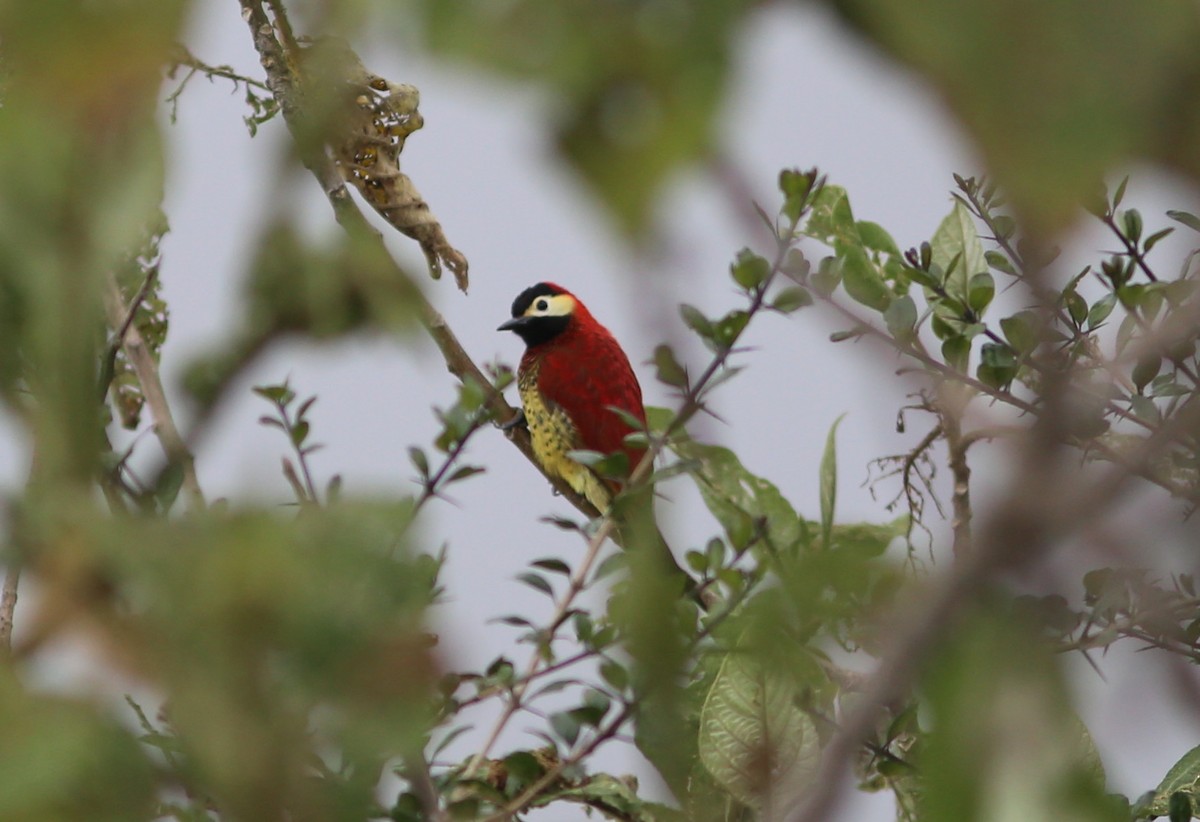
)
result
[(805, 93)]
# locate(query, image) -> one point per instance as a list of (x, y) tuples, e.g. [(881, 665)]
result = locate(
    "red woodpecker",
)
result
[(572, 375)]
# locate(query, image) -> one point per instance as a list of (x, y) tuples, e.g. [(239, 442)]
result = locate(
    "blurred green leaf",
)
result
[(862, 279), (829, 482), (875, 237), (980, 291), (1189, 220), (1088, 116), (755, 740), (667, 369), (638, 89), (791, 299), (1004, 739), (62, 760), (901, 317), (749, 270)]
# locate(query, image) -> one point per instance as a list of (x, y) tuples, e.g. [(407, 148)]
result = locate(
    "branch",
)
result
[(146, 369), (8, 605), (458, 362), (1041, 508), (950, 407), (562, 610), (690, 405)]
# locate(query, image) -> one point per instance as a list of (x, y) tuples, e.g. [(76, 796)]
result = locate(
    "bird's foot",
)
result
[(516, 419)]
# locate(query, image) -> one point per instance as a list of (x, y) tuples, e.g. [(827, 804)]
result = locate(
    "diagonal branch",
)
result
[(276, 63)]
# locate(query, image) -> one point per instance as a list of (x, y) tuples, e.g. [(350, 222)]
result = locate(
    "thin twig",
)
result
[(552, 774), (562, 609), (691, 404), (8, 606)]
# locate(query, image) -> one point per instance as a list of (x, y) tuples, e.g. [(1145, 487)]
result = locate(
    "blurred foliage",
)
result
[(637, 86), (280, 658), (1054, 94)]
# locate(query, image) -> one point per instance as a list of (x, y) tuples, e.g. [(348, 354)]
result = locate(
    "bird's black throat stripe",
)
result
[(537, 330)]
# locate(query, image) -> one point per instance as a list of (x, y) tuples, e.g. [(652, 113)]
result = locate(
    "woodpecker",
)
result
[(572, 375)]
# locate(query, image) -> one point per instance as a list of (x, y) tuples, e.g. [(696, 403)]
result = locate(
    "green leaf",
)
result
[(729, 328), (981, 289), (667, 369), (754, 738), (1189, 220), (734, 495), (1021, 331), (831, 216), (1147, 368), (537, 582), (1099, 311), (901, 317), (1179, 807), (749, 270), (862, 280), (419, 460), (275, 393), (614, 674), (827, 276), (1133, 224), (696, 321), (299, 433), (553, 565), (796, 187), (957, 238), (1004, 226), (1006, 743), (1154, 238), (1000, 262), (957, 352), (1051, 122), (828, 478), (462, 472), (1076, 306), (170, 481), (876, 238), (997, 365), (566, 725), (1182, 778), (791, 299)]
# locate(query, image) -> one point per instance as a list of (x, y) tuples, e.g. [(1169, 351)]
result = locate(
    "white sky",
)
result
[(805, 94)]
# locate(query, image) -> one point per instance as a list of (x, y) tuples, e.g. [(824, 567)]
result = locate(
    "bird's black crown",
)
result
[(525, 298)]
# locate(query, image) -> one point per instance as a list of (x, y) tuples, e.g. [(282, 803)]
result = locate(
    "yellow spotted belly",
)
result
[(553, 435)]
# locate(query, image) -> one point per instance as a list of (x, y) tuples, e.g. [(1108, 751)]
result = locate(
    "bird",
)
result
[(572, 375), (574, 379)]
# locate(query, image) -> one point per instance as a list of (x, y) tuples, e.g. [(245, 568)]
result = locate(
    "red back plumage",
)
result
[(584, 371)]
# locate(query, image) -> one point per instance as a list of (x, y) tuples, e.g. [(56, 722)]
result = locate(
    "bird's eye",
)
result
[(542, 305)]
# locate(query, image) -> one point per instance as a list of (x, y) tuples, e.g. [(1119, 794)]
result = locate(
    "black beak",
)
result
[(514, 324)]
